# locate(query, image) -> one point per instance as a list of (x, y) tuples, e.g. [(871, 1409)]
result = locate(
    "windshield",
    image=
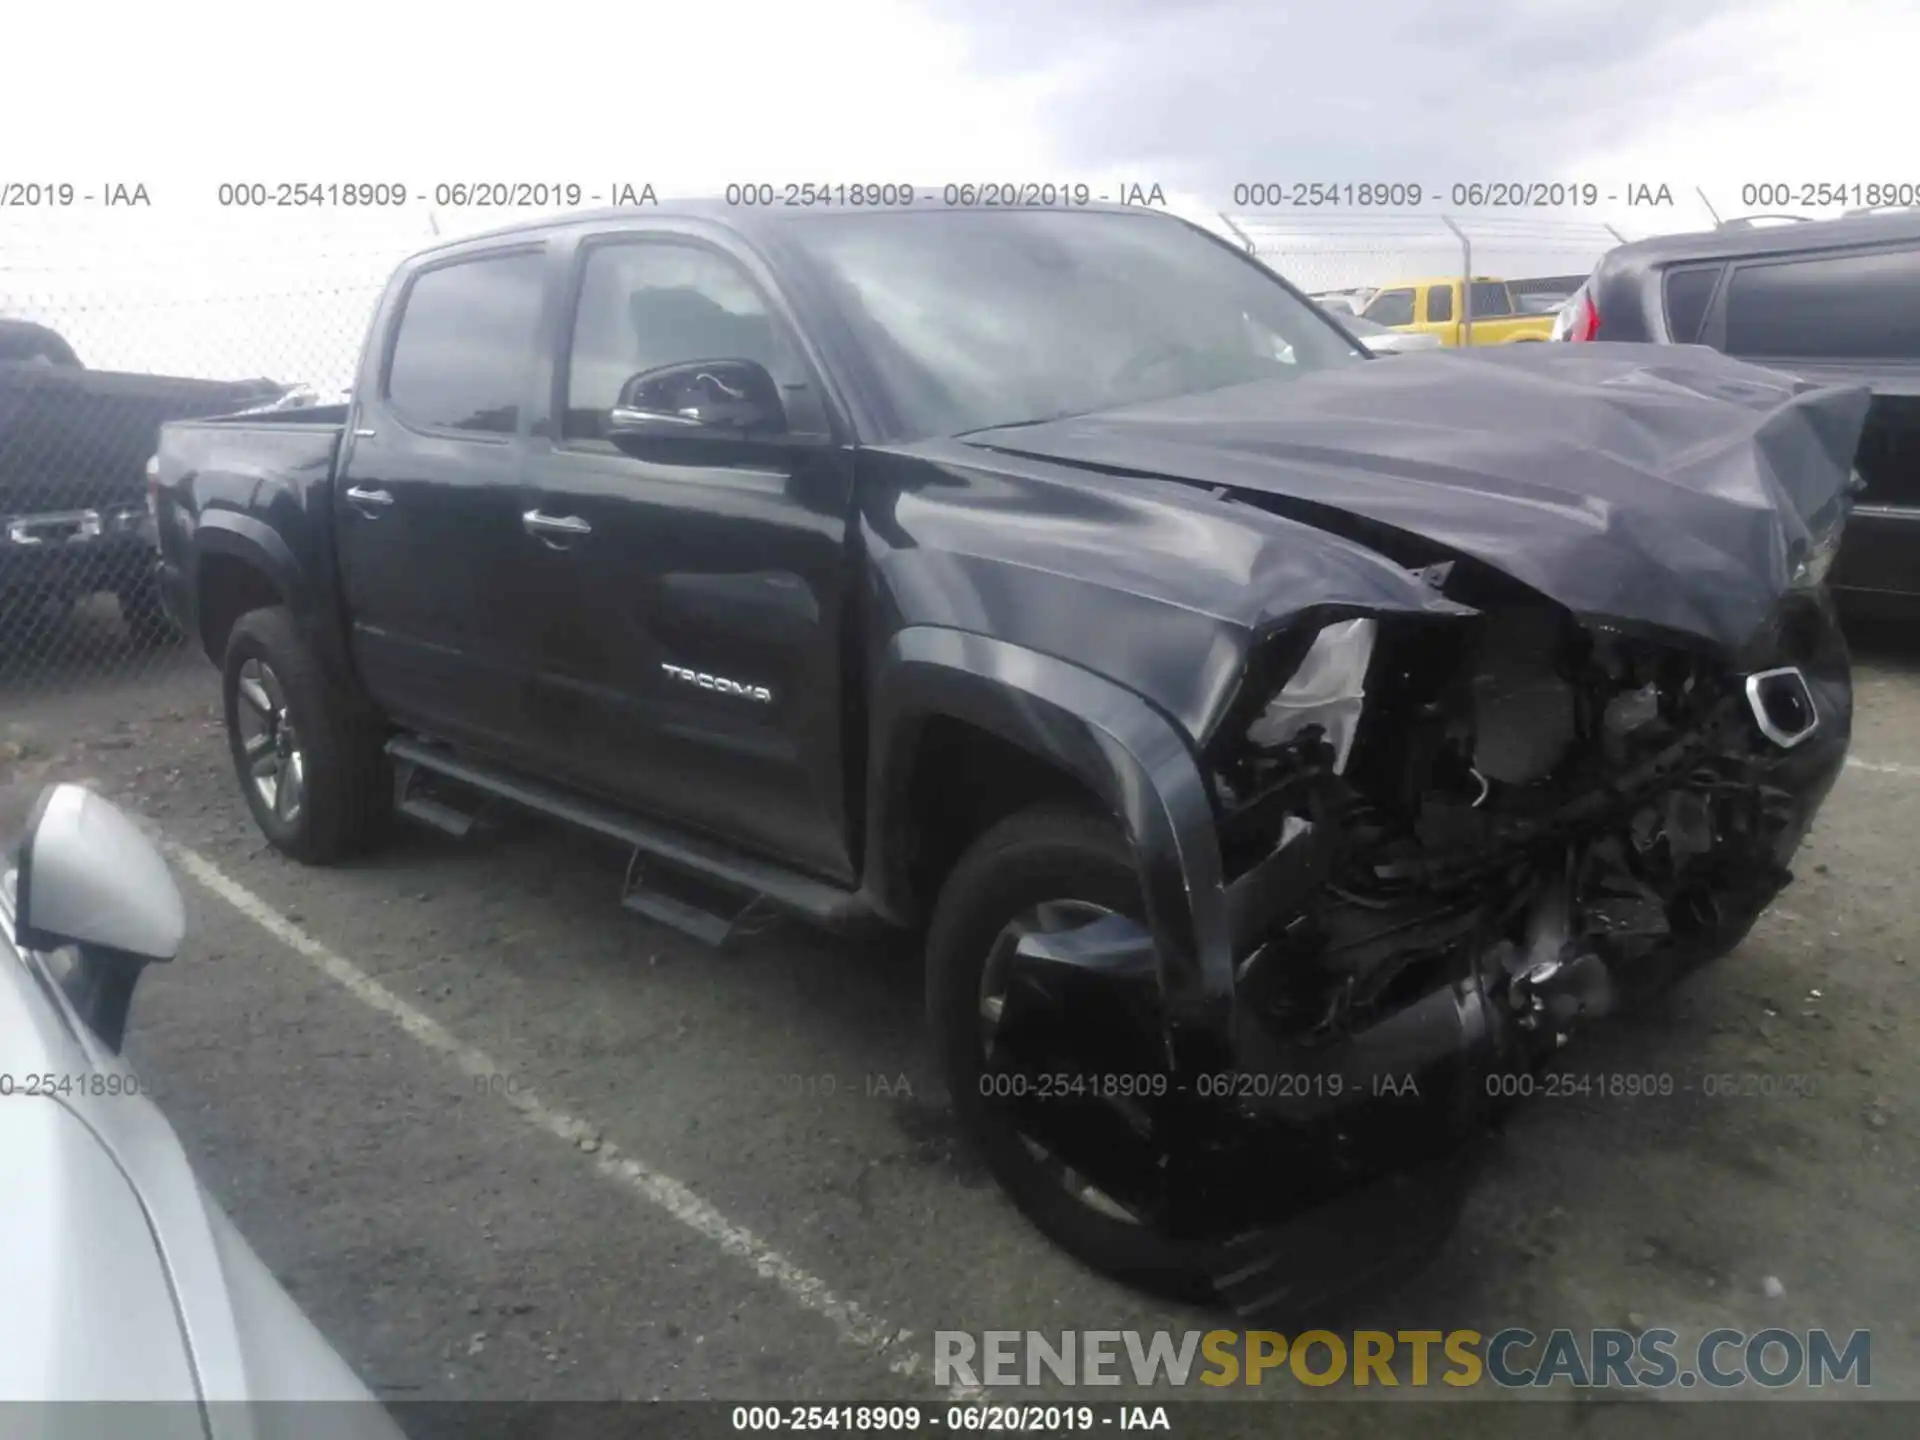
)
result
[(976, 319)]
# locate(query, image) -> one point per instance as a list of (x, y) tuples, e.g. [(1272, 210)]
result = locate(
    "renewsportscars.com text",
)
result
[(1605, 1358)]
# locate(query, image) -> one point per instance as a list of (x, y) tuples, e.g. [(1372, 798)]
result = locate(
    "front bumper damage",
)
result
[(1446, 843)]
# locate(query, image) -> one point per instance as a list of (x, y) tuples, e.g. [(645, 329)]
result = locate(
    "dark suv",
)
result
[(1832, 300)]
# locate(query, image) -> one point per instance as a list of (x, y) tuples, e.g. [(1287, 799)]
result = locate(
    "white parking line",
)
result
[(854, 1324), (1885, 767)]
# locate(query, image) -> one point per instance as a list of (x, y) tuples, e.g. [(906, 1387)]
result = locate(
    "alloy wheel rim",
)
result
[(275, 765)]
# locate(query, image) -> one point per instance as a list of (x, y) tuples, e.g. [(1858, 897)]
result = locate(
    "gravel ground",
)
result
[(515, 1235)]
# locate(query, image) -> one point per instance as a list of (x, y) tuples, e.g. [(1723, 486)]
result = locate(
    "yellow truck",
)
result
[(1438, 307)]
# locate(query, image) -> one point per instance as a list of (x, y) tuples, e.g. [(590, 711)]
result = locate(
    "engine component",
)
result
[(1523, 709)]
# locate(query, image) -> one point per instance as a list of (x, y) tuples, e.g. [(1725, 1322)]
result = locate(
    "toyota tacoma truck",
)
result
[(1276, 749)]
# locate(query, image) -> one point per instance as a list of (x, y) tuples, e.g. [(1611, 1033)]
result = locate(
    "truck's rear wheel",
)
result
[(145, 617), (309, 759), (1050, 870)]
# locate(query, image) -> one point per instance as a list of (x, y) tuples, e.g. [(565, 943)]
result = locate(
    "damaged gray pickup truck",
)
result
[(1277, 747)]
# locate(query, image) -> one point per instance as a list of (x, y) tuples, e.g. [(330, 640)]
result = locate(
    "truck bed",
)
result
[(214, 456), (1504, 329), (229, 471)]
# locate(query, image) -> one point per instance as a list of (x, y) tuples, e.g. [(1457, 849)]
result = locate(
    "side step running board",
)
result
[(702, 925), (692, 860), (437, 813), (695, 910)]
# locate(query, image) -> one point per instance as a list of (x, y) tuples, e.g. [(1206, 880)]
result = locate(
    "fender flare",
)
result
[(241, 537), (1109, 738), (258, 545)]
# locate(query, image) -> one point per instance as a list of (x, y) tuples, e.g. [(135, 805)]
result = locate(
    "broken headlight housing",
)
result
[(1296, 719), (1326, 691), (1813, 561)]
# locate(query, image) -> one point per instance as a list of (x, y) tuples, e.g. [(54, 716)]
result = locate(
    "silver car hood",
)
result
[(123, 1278), (89, 1312)]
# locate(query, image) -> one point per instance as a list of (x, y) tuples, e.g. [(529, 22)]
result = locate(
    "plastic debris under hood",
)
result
[(1654, 485)]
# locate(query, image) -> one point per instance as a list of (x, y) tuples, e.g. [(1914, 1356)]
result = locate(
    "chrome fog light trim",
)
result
[(1782, 705)]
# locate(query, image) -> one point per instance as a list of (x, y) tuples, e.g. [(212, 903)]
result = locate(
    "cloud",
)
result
[(1213, 92), (1786, 93), (1195, 95)]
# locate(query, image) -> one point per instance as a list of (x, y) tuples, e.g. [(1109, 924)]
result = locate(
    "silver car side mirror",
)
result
[(87, 877)]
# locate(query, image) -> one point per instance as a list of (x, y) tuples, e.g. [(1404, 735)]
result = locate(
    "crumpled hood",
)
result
[(1640, 484)]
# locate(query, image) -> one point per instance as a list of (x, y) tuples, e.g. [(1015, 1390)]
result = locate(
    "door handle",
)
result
[(552, 527), (363, 497)]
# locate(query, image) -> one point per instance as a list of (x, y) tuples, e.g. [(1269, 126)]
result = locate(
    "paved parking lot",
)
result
[(502, 1139)]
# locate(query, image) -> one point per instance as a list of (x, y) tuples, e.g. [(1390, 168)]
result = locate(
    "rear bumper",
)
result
[(74, 567)]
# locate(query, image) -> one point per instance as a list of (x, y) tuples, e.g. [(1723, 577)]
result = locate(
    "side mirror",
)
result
[(87, 877), (695, 397)]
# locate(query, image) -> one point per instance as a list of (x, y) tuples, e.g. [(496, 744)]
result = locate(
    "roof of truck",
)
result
[(750, 218), (1731, 242), (26, 340), (1438, 280)]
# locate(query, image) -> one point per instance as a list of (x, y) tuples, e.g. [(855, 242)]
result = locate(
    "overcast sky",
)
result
[(1195, 95), (1199, 93)]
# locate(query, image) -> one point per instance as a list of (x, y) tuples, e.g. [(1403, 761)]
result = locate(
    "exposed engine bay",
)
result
[(1565, 802), (1447, 842)]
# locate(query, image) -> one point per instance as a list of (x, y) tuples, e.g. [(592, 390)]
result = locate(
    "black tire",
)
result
[(344, 780), (1043, 854), (141, 611), (1647, 986), (19, 624)]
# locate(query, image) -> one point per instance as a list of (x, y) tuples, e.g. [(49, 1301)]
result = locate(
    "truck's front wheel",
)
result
[(1058, 1088), (310, 760)]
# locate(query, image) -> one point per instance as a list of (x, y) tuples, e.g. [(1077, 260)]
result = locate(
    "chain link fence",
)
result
[(100, 347), (106, 334), (1349, 256)]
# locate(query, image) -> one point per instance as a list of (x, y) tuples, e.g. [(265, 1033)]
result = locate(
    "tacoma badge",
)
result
[(718, 682)]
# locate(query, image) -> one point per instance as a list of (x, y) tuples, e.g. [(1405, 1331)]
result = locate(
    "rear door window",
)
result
[(1439, 304), (1688, 291), (1391, 307), (465, 348), (1490, 299), (1863, 306)]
